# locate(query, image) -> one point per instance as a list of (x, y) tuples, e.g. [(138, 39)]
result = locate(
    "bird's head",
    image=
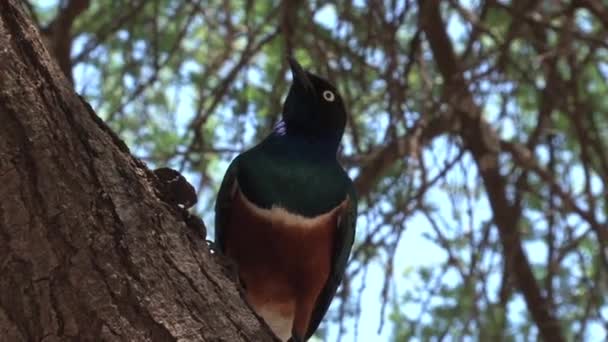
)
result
[(313, 107)]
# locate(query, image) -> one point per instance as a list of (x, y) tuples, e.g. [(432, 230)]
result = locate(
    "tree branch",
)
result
[(482, 141), (58, 34)]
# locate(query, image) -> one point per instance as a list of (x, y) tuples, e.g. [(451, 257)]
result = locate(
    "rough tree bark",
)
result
[(87, 250)]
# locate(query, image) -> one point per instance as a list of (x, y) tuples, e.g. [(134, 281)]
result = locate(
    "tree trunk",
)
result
[(87, 250)]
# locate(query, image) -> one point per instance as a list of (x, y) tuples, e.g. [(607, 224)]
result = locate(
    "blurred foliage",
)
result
[(190, 84)]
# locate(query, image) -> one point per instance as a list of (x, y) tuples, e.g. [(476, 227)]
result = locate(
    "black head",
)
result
[(313, 107)]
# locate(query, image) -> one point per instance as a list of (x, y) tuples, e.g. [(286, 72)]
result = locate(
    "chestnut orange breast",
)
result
[(284, 260)]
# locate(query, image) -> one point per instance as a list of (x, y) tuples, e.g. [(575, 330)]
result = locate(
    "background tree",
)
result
[(477, 139)]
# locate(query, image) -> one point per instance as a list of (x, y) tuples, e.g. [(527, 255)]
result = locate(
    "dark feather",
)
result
[(345, 236)]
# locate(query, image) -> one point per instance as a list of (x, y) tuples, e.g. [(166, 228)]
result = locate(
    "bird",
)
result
[(286, 211)]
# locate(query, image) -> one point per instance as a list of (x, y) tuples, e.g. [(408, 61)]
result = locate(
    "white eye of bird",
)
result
[(329, 96)]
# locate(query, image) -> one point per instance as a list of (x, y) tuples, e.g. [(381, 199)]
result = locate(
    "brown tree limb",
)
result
[(58, 34), (87, 250), (524, 158), (374, 167), (483, 144)]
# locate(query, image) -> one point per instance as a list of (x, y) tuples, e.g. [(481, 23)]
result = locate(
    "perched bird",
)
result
[(286, 210)]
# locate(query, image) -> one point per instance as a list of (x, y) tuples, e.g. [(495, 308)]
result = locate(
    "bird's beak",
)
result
[(299, 75)]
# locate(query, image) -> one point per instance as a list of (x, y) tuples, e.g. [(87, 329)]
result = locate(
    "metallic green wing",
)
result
[(223, 203), (343, 243)]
